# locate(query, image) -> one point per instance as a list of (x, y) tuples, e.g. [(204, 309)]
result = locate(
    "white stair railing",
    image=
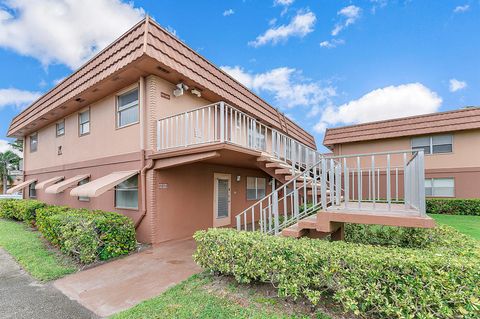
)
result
[(300, 197), (370, 182)]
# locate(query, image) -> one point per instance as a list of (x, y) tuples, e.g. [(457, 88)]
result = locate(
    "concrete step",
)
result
[(277, 165), (309, 222), (294, 231), (283, 171)]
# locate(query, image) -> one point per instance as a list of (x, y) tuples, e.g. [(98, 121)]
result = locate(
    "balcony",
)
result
[(223, 123)]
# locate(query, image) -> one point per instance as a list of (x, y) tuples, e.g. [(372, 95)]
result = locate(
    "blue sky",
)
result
[(324, 63)]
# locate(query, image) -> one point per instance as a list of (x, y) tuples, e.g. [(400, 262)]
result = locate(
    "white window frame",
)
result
[(432, 183), (57, 128), (116, 189), (430, 137), (31, 188), (127, 107), (80, 123), (256, 187), (31, 139)]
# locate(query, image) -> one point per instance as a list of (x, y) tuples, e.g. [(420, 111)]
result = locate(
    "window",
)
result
[(441, 144), (84, 123), (440, 187), (33, 142), (127, 108), (256, 188), (32, 192), (60, 128), (126, 194), (84, 198), (433, 144)]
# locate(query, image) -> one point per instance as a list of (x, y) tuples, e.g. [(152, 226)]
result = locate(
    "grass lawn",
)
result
[(32, 253), (468, 225), (203, 296)]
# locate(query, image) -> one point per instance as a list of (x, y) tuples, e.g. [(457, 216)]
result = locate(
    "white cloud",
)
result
[(456, 85), (4, 146), (382, 104), (378, 4), (332, 43), (18, 98), (461, 9), (300, 25), (350, 15), (64, 31), (228, 12), (286, 85), (283, 2)]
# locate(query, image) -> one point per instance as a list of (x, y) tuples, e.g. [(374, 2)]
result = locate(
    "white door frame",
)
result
[(225, 221)]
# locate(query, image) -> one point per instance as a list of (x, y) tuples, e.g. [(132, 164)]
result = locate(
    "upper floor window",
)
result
[(60, 128), (440, 187), (127, 108), (433, 144), (84, 122), (32, 192), (256, 188), (33, 142), (126, 194)]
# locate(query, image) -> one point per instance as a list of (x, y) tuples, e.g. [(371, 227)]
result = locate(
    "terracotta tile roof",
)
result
[(147, 40), (463, 119)]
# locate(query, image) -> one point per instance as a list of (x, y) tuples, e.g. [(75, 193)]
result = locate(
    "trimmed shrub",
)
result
[(453, 206), (7, 208), (372, 281), (49, 227), (25, 210), (439, 238), (22, 210), (86, 235)]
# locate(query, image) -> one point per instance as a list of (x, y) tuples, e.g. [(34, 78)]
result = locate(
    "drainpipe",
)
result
[(143, 180)]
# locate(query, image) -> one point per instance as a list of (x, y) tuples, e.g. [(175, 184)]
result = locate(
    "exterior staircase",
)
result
[(319, 195)]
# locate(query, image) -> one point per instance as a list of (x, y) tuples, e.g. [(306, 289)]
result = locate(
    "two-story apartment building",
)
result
[(150, 129), (450, 140)]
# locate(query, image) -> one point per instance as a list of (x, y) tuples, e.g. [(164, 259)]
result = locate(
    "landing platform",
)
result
[(371, 208), (332, 220), (373, 214)]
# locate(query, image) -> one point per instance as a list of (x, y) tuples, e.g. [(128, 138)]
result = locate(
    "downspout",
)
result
[(149, 164), (143, 180)]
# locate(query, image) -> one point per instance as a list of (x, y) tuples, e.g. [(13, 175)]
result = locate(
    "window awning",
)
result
[(21, 186), (60, 187), (49, 182), (99, 186)]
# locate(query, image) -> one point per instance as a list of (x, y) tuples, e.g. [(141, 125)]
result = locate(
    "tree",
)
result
[(8, 161), (17, 145)]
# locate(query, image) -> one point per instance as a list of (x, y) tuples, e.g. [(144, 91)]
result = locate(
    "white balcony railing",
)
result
[(221, 122)]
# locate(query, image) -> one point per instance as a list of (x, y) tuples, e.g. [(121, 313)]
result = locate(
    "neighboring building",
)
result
[(450, 140), (142, 129)]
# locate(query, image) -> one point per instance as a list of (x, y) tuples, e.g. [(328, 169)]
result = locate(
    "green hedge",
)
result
[(86, 235), (22, 210), (7, 208), (453, 206), (439, 281)]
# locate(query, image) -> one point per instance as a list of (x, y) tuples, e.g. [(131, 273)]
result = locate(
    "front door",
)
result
[(221, 200)]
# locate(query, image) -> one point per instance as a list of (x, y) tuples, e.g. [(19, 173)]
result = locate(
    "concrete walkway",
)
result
[(123, 283), (23, 297)]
